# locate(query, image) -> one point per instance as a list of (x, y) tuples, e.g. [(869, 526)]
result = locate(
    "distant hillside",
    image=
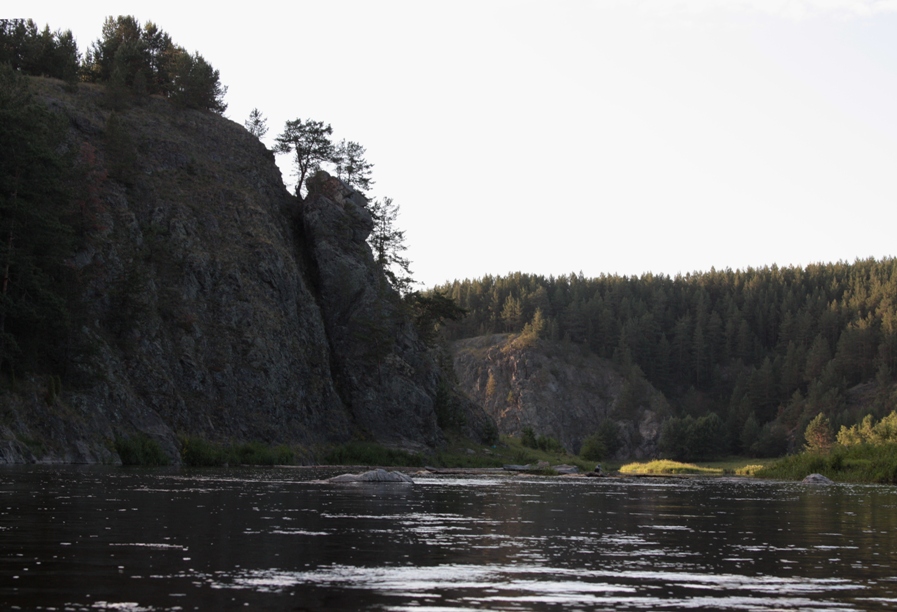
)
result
[(764, 349), (202, 299)]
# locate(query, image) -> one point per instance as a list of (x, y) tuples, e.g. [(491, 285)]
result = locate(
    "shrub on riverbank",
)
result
[(140, 449), (457, 454), (856, 463), (371, 453), (197, 452)]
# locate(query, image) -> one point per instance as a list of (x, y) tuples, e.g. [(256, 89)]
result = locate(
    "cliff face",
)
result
[(557, 390), (218, 305)]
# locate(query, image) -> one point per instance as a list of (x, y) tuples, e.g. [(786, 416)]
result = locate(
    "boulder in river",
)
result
[(817, 479), (378, 475), (566, 469)]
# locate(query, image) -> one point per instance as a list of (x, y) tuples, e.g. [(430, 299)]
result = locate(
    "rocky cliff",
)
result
[(215, 304), (559, 390)]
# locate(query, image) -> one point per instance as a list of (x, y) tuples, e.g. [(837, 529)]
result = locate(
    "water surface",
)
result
[(119, 539)]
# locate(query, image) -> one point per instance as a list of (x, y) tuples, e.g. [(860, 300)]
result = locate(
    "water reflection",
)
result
[(105, 538)]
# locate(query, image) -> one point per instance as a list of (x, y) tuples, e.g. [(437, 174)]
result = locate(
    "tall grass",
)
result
[(665, 466)]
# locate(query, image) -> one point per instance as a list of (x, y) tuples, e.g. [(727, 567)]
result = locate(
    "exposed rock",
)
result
[(565, 469), (557, 389), (512, 467), (218, 305), (817, 479), (378, 475), (384, 374)]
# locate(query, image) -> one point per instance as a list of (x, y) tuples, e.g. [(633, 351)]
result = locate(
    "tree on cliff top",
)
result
[(256, 124), (309, 143), (351, 166), (38, 52), (142, 59)]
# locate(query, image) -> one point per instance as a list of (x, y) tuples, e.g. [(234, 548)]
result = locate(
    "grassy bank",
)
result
[(197, 452), (740, 466), (665, 466), (859, 463)]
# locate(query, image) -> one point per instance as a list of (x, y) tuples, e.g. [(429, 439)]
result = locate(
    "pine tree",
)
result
[(819, 434), (142, 60), (351, 166), (309, 143), (195, 84), (256, 124), (387, 242)]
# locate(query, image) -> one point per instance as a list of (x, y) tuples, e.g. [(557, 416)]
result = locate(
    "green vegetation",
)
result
[(866, 432), (140, 449), (308, 142), (517, 451), (387, 243), (371, 453), (690, 438), (310, 147), (602, 444), (197, 452), (543, 443), (857, 463), (866, 452), (764, 350), (749, 470), (28, 50), (458, 454), (134, 61), (351, 166), (256, 124), (665, 466)]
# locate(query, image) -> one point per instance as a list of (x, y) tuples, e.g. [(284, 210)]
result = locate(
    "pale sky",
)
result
[(624, 137)]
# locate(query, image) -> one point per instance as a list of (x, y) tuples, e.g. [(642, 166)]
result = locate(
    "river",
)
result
[(106, 538)]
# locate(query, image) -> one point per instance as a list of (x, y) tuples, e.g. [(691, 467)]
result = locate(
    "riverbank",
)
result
[(861, 463)]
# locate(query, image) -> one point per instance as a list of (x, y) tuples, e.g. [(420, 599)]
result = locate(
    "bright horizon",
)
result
[(608, 138)]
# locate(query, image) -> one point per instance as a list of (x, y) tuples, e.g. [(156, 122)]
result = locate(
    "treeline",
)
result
[(764, 349), (133, 59)]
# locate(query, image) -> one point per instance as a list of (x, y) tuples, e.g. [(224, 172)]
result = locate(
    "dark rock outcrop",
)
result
[(215, 304), (558, 390), (384, 374)]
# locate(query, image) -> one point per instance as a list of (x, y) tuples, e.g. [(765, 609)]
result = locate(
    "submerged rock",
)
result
[(378, 475), (817, 479)]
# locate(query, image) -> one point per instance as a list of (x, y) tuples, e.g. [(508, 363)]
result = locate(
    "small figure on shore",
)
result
[(596, 473)]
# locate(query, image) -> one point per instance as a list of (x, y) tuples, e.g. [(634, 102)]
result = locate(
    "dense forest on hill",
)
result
[(765, 350)]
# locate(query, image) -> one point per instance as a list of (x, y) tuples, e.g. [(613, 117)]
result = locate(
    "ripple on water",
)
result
[(508, 586)]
